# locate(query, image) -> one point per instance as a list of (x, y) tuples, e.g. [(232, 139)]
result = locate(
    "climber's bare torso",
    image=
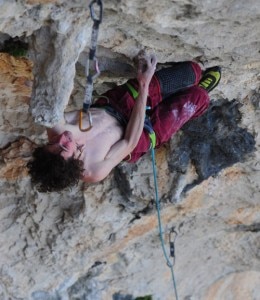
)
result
[(93, 145)]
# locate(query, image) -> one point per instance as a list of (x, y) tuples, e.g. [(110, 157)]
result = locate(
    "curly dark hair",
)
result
[(51, 172)]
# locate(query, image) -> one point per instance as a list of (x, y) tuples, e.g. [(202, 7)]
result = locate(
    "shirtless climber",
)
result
[(173, 95)]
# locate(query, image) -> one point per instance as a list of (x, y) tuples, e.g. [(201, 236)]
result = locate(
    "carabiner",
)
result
[(97, 19), (94, 63), (172, 237), (89, 118)]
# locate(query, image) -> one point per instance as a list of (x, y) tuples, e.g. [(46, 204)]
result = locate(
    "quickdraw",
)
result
[(172, 237), (97, 19)]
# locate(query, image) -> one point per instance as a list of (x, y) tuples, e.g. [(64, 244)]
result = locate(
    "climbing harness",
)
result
[(97, 19), (173, 233)]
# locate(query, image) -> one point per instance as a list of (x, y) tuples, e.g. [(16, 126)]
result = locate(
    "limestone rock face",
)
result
[(100, 241), (16, 86)]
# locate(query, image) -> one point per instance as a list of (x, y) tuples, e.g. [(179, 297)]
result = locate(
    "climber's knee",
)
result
[(178, 77)]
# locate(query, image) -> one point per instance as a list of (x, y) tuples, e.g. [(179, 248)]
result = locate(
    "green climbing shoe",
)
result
[(210, 78)]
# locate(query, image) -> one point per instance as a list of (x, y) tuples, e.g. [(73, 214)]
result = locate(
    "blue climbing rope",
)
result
[(169, 264)]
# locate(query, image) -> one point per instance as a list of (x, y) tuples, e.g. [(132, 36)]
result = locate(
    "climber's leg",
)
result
[(169, 81), (171, 114), (178, 77)]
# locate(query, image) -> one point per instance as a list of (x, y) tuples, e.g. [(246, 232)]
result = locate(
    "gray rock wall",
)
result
[(101, 241)]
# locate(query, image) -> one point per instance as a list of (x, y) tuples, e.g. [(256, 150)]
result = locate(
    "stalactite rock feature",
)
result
[(55, 51)]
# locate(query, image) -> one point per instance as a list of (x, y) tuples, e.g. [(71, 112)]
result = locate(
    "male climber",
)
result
[(173, 96)]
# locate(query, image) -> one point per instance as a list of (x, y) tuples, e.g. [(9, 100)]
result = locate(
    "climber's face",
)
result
[(63, 144)]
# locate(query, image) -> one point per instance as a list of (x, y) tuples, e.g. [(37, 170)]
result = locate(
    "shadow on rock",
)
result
[(214, 141)]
